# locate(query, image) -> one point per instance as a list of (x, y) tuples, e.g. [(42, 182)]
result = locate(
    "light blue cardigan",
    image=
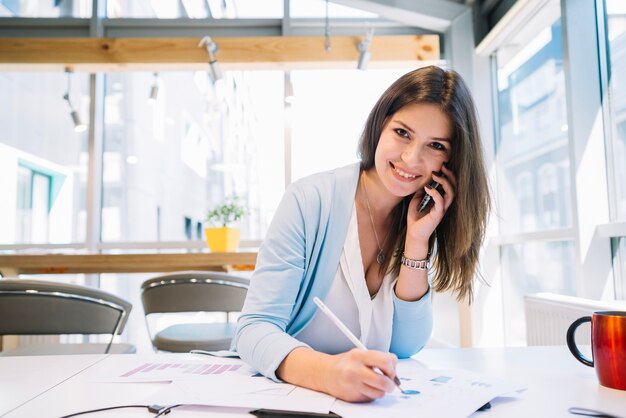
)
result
[(297, 261)]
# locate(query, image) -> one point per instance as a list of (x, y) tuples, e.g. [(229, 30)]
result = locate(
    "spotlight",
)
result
[(288, 90), (212, 49), (154, 90), (364, 53), (79, 126)]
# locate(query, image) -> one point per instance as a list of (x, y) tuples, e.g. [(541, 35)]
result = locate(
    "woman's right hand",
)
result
[(348, 376), (352, 378)]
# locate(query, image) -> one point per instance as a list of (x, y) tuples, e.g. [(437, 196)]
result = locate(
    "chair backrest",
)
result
[(31, 307), (194, 291)]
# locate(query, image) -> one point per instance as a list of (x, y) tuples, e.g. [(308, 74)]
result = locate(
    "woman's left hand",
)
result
[(421, 225)]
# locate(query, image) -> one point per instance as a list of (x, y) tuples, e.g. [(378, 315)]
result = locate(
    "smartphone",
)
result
[(426, 199)]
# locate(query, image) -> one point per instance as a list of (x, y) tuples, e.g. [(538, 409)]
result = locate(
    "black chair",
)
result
[(194, 292), (31, 307)]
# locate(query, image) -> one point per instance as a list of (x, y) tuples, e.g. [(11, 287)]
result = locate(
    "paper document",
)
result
[(168, 371), (215, 381), (441, 393), (255, 392)]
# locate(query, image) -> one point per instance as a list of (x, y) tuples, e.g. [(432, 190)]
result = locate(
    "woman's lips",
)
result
[(402, 175)]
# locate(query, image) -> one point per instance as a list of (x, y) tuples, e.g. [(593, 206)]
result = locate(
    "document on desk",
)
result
[(255, 392), (168, 371), (215, 382), (449, 393)]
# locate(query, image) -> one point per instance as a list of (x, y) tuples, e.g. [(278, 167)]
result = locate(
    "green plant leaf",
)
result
[(226, 213)]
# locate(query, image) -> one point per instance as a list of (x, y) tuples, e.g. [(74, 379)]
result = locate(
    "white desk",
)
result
[(25, 378), (555, 381)]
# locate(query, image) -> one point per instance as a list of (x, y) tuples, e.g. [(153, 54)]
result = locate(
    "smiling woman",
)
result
[(353, 237)]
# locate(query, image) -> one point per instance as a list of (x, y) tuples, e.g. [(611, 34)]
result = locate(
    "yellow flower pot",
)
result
[(222, 239)]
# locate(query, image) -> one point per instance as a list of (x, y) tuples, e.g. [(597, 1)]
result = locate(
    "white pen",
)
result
[(344, 329)]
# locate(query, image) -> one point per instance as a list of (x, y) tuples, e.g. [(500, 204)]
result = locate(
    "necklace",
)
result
[(380, 258)]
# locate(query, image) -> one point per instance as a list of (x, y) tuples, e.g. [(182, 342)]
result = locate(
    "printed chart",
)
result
[(174, 370)]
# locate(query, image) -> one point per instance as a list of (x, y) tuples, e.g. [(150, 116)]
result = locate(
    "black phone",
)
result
[(426, 199), (274, 413)]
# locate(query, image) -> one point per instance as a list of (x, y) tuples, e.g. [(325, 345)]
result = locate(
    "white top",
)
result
[(369, 319)]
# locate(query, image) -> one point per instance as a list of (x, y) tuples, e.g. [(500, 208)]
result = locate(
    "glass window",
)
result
[(38, 8), (616, 25), (195, 9), (619, 266), (533, 142), (43, 160), (168, 158), (533, 167), (317, 9), (530, 268), (328, 115), (33, 203)]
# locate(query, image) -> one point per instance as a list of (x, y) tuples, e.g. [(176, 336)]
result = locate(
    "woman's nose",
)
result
[(413, 154)]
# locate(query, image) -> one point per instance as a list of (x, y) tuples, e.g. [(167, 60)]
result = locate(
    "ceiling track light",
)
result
[(79, 126), (364, 53), (212, 49), (154, 90)]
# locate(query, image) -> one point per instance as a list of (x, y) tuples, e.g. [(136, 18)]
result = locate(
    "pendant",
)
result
[(380, 257)]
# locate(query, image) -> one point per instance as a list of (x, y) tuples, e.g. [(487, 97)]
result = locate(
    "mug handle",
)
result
[(571, 343)]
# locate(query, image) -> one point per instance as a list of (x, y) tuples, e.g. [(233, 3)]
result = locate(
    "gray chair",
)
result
[(194, 292), (32, 307)]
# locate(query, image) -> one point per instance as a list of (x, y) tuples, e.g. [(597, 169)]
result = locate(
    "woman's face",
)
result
[(415, 141)]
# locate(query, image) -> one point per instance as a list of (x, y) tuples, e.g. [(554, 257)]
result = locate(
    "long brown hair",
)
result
[(460, 233)]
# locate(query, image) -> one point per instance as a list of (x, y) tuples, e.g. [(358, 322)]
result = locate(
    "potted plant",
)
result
[(220, 233)]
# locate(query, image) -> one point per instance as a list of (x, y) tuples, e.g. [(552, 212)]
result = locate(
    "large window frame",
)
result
[(593, 230), (99, 25)]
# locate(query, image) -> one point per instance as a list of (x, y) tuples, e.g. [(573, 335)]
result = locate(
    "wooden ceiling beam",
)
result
[(129, 54)]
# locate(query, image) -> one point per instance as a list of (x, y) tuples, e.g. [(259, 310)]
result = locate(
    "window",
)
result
[(616, 25), (37, 8), (616, 33), (328, 115), (33, 204), (317, 9), (533, 133), (195, 9), (43, 161), (167, 160), (539, 266), (532, 156)]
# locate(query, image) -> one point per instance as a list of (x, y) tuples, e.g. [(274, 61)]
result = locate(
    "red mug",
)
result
[(608, 346)]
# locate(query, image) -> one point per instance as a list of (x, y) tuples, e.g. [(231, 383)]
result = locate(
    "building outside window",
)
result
[(532, 154), (37, 8), (616, 34), (43, 160)]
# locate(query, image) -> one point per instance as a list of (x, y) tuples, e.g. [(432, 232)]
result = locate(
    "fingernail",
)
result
[(428, 186)]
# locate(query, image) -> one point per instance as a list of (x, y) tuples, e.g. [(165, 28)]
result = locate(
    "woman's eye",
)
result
[(401, 132), (438, 146)]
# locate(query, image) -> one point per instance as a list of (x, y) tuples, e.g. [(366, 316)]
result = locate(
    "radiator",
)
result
[(548, 316), (38, 339)]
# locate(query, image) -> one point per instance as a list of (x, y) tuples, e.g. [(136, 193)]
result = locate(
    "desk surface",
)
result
[(555, 381), (13, 265), (25, 378)]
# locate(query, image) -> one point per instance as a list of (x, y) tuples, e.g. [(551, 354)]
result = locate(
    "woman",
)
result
[(355, 238)]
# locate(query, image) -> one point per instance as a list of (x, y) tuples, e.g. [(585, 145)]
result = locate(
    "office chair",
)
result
[(32, 307), (193, 291)]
